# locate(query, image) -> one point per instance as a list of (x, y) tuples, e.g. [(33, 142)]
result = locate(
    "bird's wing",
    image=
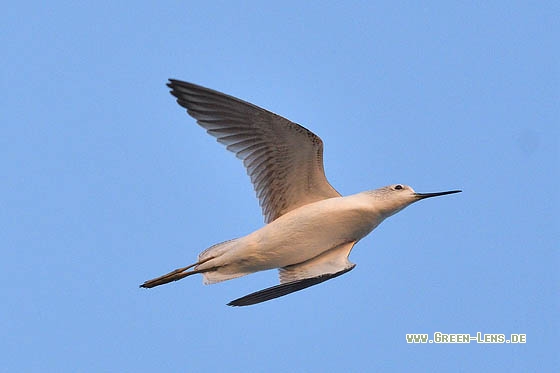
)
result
[(283, 159), (330, 264)]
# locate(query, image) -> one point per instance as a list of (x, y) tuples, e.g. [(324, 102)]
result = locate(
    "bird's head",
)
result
[(393, 198)]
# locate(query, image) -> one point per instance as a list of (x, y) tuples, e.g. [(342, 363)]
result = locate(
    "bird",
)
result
[(310, 228)]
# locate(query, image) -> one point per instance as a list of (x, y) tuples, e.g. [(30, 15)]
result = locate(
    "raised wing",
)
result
[(283, 159), (326, 266)]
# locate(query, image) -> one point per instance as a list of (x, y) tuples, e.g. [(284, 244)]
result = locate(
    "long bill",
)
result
[(428, 195)]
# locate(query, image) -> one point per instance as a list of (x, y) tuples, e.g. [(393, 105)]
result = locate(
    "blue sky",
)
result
[(107, 183)]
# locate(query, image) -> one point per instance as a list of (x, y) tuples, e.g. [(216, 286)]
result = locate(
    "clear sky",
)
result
[(107, 182)]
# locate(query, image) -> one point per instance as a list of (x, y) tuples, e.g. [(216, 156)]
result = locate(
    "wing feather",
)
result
[(283, 159), (326, 266)]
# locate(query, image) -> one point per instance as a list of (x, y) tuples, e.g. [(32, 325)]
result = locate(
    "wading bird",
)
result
[(310, 228)]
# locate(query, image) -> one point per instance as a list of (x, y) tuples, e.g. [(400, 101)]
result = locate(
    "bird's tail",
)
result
[(209, 265), (221, 268)]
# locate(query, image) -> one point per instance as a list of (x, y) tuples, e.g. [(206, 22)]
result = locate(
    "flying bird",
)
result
[(310, 228)]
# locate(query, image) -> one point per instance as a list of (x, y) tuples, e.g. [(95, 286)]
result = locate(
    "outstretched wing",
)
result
[(283, 159), (326, 266)]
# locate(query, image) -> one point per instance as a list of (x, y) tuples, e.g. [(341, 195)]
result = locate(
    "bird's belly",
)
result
[(303, 234)]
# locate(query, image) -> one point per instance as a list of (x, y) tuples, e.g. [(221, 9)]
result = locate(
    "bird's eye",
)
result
[(398, 187)]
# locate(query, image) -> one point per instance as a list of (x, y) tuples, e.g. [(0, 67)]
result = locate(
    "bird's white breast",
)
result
[(308, 231)]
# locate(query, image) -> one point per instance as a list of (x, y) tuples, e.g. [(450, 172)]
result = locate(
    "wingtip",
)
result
[(240, 302), (171, 83), (247, 300), (243, 301)]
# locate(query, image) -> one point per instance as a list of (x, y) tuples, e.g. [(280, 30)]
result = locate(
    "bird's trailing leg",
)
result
[(177, 274)]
